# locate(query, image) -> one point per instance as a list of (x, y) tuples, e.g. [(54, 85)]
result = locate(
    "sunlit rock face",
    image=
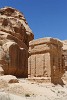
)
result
[(65, 53), (15, 35), (45, 61)]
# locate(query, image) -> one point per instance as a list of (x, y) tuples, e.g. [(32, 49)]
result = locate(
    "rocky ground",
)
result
[(23, 89)]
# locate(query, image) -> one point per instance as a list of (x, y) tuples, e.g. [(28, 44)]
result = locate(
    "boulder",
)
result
[(9, 79)]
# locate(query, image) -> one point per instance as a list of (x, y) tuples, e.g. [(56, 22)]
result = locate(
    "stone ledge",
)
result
[(40, 79), (46, 40)]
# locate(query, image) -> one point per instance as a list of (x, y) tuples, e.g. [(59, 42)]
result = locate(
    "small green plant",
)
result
[(58, 91), (27, 95)]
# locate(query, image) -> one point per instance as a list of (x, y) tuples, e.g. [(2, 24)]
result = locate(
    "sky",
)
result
[(46, 18)]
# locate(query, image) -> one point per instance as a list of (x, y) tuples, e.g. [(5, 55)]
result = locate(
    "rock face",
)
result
[(65, 59), (1, 71), (46, 60), (15, 35), (65, 53)]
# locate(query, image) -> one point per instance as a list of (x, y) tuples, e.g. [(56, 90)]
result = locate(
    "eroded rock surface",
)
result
[(65, 53), (15, 35), (45, 60), (9, 79)]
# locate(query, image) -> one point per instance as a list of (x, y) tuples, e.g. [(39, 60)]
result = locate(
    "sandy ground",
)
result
[(34, 91)]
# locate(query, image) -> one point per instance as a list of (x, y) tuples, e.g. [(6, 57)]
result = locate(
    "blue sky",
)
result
[(46, 18)]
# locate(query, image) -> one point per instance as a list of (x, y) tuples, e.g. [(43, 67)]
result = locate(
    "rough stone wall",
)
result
[(65, 53), (15, 35), (45, 59)]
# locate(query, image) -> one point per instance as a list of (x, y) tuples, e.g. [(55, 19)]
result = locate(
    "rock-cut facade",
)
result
[(43, 59)]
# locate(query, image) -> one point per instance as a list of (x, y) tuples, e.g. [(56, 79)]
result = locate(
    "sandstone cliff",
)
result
[(15, 35)]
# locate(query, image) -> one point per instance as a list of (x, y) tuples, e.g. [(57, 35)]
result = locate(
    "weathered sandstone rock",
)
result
[(45, 59), (1, 71), (15, 35), (9, 79), (65, 53), (13, 22)]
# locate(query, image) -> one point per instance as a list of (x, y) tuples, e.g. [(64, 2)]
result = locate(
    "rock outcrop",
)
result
[(15, 35), (65, 53), (46, 60)]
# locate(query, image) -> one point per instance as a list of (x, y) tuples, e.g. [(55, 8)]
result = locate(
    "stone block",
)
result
[(45, 59)]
